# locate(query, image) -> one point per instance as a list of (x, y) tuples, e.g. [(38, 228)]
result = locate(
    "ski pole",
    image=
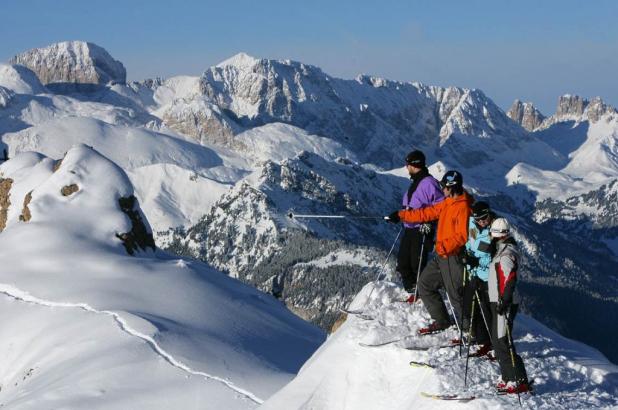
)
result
[(469, 332), (418, 273), (511, 350), (453, 312), (450, 276), (315, 216), (465, 274), (478, 300), (384, 264)]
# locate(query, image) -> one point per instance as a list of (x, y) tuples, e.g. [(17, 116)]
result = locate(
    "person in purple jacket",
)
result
[(423, 191)]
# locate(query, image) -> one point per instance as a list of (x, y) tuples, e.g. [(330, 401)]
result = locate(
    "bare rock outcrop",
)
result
[(138, 238), (526, 115), (5, 192), (25, 212), (69, 189), (72, 62)]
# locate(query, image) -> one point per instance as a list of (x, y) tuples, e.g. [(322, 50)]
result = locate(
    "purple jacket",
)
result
[(427, 193)]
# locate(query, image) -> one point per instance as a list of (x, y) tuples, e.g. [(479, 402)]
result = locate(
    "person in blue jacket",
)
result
[(477, 259)]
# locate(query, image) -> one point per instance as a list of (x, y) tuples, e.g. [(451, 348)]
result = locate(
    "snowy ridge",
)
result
[(70, 248), (124, 325), (344, 375)]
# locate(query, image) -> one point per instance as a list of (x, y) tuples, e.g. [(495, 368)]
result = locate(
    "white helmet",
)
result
[(500, 228)]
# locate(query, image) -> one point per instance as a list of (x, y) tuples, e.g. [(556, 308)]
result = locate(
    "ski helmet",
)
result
[(480, 210), (416, 158), (451, 178), (500, 228)]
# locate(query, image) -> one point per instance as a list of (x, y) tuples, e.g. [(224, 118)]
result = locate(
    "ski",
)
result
[(359, 314), (422, 364), (455, 397), (382, 343), (423, 348)]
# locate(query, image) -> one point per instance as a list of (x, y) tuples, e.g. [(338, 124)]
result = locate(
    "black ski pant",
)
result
[(480, 318), (409, 257), (505, 348), (444, 273)]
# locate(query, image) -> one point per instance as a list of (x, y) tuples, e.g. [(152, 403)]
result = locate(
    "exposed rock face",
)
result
[(138, 237), (570, 105), (5, 189), (69, 189), (72, 62), (25, 212), (576, 108), (526, 115)]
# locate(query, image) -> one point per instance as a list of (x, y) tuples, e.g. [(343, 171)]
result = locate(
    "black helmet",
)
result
[(416, 158), (451, 179), (480, 210)]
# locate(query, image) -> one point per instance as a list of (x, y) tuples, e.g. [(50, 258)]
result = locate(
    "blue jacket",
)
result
[(478, 244)]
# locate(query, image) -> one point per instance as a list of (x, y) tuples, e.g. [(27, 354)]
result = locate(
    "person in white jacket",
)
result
[(504, 301)]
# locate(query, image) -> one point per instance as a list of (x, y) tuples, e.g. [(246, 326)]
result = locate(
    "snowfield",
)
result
[(344, 374), (88, 326)]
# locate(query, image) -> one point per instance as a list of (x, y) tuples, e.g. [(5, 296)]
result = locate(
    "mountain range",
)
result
[(219, 161)]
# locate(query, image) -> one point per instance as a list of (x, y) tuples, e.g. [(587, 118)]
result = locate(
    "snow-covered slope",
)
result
[(176, 180), (342, 374), (20, 80), (88, 325)]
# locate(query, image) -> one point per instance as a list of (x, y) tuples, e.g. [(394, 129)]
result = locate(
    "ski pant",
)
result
[(505, 348), (444, 273), (409, 257), (481, 316)]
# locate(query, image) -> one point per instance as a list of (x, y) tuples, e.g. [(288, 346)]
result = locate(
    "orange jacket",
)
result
[(452, 215)]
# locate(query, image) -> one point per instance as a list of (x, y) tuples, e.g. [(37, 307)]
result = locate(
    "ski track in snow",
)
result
[(23, 296)]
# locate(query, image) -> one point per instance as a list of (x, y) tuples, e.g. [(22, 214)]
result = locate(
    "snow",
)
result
[(240, 60), (179, 87), (278, 141), (342, 374), (175, 179), (173, 196), (340, 258), (88, 318), (20, 79)]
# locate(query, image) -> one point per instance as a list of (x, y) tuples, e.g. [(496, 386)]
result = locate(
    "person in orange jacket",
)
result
[(445, 270)]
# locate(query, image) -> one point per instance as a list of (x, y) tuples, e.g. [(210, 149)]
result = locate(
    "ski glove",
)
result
[(503, 307), (469, 259), (393, 217), (425, 229)]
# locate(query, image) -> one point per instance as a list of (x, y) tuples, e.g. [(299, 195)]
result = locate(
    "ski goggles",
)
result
[(480, 217)]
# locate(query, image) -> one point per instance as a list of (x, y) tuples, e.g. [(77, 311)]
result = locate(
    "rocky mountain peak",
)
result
[(240, 60), (570, 105), (575, 108), (72, 62), (526, 115)]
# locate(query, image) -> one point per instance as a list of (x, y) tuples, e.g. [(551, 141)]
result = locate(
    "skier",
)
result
[(477, 259), (504, 300), (423, 191), (446, 269)]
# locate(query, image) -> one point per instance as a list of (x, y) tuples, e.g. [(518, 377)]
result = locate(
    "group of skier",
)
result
[(476, 262)]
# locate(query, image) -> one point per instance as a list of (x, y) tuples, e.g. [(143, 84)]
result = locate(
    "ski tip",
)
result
[(454, 397), (422, 364)]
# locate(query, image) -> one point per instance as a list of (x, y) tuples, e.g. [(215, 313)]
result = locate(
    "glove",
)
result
[(503, 307), (424, 229), (469, 259), (393, 218)]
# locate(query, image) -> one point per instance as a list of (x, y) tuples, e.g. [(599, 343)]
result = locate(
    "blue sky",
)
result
[(531, 50)]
